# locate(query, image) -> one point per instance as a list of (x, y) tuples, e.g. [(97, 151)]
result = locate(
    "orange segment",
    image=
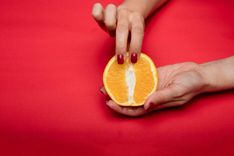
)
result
[(146, 79), (130, 84), (115, 80)]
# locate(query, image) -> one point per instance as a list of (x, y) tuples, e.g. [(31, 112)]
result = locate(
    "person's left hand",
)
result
[(177, 84), (126, 25)]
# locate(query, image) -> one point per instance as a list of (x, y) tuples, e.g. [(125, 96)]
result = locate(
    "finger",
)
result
[(170, 104), (137, 34), (110, 18), (103, 91), (160, 97), (98, 15), (122, 32), (129, 111)]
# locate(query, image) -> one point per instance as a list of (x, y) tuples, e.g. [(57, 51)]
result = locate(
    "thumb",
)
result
[(159, 97)]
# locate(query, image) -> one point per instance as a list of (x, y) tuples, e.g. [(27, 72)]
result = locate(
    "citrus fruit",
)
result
[(130, 84)]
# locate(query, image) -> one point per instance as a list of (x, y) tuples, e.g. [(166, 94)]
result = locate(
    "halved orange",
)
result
[(130, 84)]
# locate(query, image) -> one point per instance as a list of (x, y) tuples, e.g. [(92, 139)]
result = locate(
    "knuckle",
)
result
[(178, 91), (122, 11), (138, 30), (122, 14), (120, 47), (122, 27), (137, 17), (192, 64)]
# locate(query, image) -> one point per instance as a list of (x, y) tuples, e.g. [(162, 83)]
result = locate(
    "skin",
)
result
[(179, 83), (126, 22)]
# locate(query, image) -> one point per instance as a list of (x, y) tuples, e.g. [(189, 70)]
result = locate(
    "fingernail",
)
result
[(120, 58), (133, 57), (148, 106), (101, 90), (108, 104)]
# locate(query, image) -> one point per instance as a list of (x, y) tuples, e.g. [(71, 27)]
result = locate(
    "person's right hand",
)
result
[(177, 84), (126, 25)]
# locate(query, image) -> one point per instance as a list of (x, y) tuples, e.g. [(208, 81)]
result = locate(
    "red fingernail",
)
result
[(133, 57), (149, 106), (120, 58)]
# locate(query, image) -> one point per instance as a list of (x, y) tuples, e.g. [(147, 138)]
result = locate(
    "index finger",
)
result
[(129, 111), (122, 32)]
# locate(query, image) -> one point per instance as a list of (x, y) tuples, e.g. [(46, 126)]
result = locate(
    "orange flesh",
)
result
[(115, 83)]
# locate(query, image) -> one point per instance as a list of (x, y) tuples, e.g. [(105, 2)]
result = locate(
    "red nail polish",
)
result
[(133, 57), (120, 58)]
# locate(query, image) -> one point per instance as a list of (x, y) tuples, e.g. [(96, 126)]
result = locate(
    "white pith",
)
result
[(130, 80)]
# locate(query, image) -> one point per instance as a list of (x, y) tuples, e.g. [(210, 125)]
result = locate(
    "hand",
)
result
[(177, 84), (127, 25)]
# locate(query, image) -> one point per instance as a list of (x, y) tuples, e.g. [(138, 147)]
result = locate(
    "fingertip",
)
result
[(134, 57), (97, 6), (148, 105), (108, 103), (102, 90), (111, 5), (97, 11), (150, 101), (113, 106), (120, 58)]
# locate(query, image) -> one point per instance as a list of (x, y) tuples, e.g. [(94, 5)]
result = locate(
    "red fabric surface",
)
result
[(52, 55)]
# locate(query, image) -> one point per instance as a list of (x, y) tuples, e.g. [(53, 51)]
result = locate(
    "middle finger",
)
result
[(122, 32)]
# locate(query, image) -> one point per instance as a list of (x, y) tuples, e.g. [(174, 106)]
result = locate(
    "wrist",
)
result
[(206, 78), (217, 74)]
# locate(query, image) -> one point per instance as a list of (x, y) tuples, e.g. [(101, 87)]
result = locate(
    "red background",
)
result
[(52, 55)]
